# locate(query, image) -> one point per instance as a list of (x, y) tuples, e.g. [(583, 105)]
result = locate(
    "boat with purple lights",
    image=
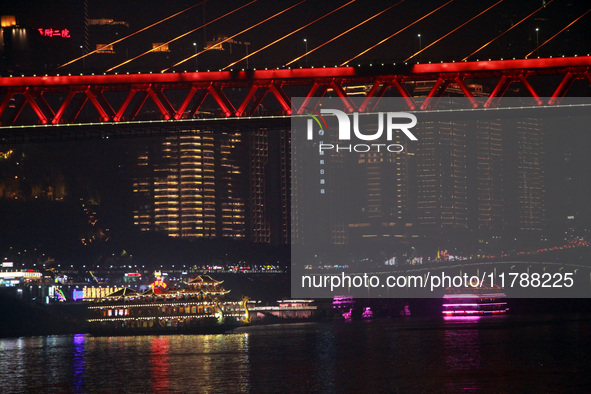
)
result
[(487, 303)]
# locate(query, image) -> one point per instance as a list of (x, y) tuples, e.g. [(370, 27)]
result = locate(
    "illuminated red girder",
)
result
[(124, 97)]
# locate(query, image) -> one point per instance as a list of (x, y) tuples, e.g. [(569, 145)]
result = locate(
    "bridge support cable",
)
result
[(236, 35), (182, 35), (561, 30), (452, 31), (508, 30), (395, 34), (132, 34), (289, 34), (345, 32)]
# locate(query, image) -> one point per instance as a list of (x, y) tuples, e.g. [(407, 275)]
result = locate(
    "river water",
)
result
[(415, 354)]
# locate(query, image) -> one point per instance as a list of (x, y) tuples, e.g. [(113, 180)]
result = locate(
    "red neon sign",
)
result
[(63, 33)]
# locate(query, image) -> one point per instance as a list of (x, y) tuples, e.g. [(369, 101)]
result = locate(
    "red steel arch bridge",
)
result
[(59, 100)]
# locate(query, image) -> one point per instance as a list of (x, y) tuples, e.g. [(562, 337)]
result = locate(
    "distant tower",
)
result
[(442, 175), (383, 207), (86, 36), (530, 183), (192, 186), (487, 176), (216, 184), (269, 187)]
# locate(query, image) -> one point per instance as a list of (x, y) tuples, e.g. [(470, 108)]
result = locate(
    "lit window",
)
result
[(104, 48), (160, 47), (7, 20)]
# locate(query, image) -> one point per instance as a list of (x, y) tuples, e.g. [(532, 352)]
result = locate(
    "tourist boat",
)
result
[(405, 311), (342, 302), (367, 313), (348, 316), (200, 307), (343, 305), (487, 302)]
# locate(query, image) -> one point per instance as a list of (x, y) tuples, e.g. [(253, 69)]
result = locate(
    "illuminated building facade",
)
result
[(467, 180), (215, 184), (442, 181), (191, 186), (527, 177), (460, 176), (385, 209), (269, 179), (485, 176), (489, 177)]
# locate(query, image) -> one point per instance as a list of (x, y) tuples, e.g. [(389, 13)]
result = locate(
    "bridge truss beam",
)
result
[(57, 100)]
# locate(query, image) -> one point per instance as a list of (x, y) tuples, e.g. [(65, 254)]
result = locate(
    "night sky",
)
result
[(516, 43)]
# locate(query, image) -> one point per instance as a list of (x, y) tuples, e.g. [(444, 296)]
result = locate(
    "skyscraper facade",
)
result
[(268, 185), (464, 181), (526, 177), (215, 184), (190, 186), (442, 176), (485, 176)]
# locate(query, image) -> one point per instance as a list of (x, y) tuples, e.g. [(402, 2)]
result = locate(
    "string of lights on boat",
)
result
[(181, 303), (179, 317)]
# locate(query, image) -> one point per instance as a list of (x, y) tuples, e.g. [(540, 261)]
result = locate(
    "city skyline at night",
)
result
[(215, 164), (306, 196), (475, 185)]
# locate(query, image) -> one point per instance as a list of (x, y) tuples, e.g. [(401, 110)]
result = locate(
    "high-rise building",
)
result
[(488, 177), (269, 180), (484, 175), (216, 184), (469, 180), (525, 194), (318, 177), (442, 175), (383, 208), (191, 186)]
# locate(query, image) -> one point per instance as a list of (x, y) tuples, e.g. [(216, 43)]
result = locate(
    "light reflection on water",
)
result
[(416, 354), (78, 357)]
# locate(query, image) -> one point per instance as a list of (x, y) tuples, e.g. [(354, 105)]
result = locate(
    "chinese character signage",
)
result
[(63, 33)]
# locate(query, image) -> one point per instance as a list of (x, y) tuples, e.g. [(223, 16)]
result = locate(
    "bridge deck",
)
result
[(83, 99)]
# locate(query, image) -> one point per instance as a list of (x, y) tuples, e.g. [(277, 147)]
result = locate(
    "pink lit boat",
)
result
[(474, 304)]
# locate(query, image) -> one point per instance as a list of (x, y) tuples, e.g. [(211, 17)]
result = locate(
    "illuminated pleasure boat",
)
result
[(474, 304), (201, 307), (344, 303)]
